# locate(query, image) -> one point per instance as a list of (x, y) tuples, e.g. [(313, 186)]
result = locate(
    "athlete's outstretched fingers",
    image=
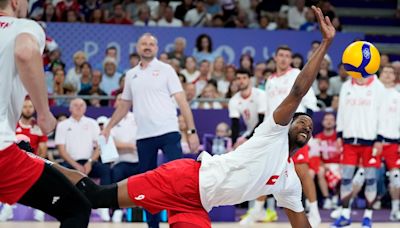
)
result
[(124, 200)]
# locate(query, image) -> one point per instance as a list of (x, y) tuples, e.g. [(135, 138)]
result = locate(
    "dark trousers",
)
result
[(170, 144), (99, 170), (123, 170)]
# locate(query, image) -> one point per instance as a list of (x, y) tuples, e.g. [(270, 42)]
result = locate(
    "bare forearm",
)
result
[(30, 69), (117, 116), (96, 154), (42, 150), (187, 115), (309, 73)]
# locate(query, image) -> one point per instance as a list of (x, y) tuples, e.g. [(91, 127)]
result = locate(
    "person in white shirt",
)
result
[(110, 79), (76, 139), (278, 86), (188, 189), (389, 135), (144, 17), (190, 71), (74, 74), (297, 15), (198, 17), (357, 132), (24, 179), (150, 88), (127, 164), (168, 19), (250, 104)]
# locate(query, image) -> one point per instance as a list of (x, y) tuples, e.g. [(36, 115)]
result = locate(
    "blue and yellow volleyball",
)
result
[(361, 59)]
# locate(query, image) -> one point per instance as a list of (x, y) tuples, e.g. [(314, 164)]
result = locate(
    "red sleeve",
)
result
[(43, 138)]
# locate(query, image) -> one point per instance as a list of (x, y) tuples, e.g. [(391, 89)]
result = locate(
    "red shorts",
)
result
[(18, 172), (301, 155), (314, 163), (353, 153), (391, 156), (173, 186)]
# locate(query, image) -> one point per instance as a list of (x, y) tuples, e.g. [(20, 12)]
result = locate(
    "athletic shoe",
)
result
[(341, 222), (252, 217), (38, 215), (270, 216), (104, 214), (366, 223), (394, 216), (117, 216), (6, 213), (335, 214), (314, 219), (327, 204)]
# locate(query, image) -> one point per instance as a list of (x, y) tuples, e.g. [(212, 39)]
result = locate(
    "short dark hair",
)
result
[(298, 114), (323, 79), (283, 47), (243, 71), (134, 54)]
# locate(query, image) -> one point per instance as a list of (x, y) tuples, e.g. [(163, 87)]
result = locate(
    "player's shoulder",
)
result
[(235, 98), (27, 24)]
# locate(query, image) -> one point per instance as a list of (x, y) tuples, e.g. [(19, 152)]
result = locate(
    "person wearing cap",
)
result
[(111, 77)]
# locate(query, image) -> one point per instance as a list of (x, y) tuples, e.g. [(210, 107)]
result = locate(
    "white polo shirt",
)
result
[(12, 91), (79, 137), (260, 166), (125, 131), (151, 90)]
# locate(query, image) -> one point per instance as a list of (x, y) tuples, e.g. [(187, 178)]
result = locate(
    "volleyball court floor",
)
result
[(164, 225)]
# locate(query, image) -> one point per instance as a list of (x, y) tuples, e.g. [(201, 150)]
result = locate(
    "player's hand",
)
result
[(46, 122), (325, 25), (339, 145), (193, 141), (87, 167), (378, 147), (239, 142)]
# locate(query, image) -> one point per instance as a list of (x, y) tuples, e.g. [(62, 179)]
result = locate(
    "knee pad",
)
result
[(359, 177), (370, 187), (394, 178)]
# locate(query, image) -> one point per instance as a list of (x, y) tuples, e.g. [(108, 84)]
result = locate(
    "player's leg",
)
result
[(392, 159), (55, 195), (371, 163), (309, 190), (323, 185), (255, 213)]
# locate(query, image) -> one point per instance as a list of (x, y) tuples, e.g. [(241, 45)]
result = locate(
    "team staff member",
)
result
[(149, 88)]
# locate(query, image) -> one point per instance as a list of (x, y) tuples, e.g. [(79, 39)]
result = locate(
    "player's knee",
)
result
[(359, 177), (394, 178)]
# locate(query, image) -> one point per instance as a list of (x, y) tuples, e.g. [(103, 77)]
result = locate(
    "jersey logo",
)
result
[(55, 199), (300, 157), (139, 197), (272, 180)]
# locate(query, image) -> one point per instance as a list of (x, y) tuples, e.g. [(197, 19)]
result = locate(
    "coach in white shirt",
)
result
[(150, 88), (76, 139)]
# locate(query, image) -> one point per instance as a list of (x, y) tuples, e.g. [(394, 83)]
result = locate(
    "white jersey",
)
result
[(260, 166), (248, 108), (389, 116), (278, 88), (12, 91), (358, 111)]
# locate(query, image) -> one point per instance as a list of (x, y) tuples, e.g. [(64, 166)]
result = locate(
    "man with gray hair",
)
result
[(149, 88), (179, 51), (111, 76)]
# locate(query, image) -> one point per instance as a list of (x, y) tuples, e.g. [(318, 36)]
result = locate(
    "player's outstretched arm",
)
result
[(284, 112), (297, 219)]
